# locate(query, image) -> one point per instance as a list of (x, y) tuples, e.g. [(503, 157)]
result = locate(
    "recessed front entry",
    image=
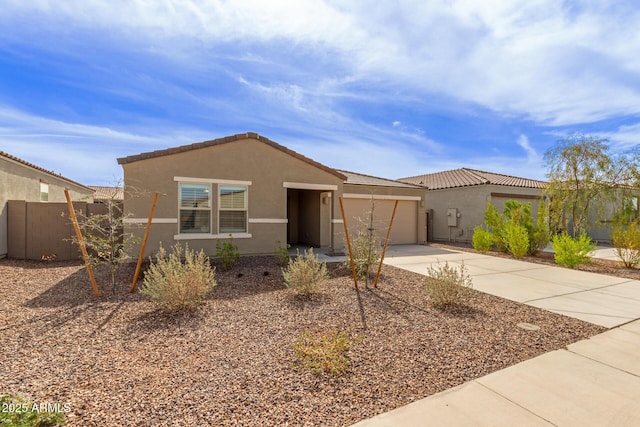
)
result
[(308, 216)]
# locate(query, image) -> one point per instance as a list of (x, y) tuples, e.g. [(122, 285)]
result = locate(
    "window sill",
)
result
[(206, 236)]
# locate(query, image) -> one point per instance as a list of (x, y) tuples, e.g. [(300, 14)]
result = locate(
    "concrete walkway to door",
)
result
[(603, 300)]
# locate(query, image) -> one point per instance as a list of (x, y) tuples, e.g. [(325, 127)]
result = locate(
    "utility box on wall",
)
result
[(452, 217)]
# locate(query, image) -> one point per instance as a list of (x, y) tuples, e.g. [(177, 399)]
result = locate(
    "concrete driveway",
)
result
[(594, 382), (603, 300)]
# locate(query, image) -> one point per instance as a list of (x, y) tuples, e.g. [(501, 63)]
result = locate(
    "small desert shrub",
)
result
[(228, 253), (175, 285), (366, 251), (323, 353), (447, 285), (516, 239), (571, 252), (19, 412), (626, 240), (482, 239), (305, 273), (282, 253)]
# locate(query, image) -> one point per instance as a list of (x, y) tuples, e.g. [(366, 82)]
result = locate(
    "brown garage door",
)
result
[(405, 224)]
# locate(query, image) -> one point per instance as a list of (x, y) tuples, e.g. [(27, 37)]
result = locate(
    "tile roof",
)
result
[(38, 168), (362, 179), (224, 140), (465, 177), (107, 193)]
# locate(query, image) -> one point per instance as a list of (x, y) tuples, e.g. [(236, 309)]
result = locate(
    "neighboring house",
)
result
[(257, 192), (21, 180), (104, 194), (456, 199)]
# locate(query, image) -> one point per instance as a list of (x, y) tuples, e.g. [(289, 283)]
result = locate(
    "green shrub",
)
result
[(482, 239), (626, 240), (228, 253), (323, 353), (173, 285), (516, 239), (572, 252), (366, 251), (305, 273), (495, 225), (539, 236), (447, 285), (520, 214), (282, 253), (20, 412)]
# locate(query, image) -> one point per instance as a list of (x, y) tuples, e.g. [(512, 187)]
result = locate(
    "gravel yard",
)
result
[(119, 362)]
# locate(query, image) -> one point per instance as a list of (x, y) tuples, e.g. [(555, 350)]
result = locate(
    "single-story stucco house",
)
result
[(457, 199), (24, 181), (259, 193)]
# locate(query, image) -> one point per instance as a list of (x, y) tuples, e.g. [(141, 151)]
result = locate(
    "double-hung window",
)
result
[(44, 191), (195, 208), (232, 209)]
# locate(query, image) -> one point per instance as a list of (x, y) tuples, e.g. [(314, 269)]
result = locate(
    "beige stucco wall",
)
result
[(21, 182), (470, 203), (243, 160)]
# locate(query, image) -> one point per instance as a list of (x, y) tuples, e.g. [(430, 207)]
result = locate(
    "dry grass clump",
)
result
[(323, 353)]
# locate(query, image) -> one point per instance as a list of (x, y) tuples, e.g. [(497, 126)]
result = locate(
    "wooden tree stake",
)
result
[(346, 233), (386, 243), (144, 243), (83, 248)]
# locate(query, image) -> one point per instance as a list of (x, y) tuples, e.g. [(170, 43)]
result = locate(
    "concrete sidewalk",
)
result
[(595, 382), (603, 300)]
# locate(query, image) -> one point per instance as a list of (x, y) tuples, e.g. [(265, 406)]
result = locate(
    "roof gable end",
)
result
[(40, 169), (225, 140)]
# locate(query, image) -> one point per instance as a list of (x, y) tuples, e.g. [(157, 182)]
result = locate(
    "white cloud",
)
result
[(624, 137), (523, 142), (556, 62)]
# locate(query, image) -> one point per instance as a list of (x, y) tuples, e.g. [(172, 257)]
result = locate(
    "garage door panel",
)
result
[(405, 224)]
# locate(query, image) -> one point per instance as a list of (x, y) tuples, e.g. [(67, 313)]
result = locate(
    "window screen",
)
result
[(195, 208), (233, 209)]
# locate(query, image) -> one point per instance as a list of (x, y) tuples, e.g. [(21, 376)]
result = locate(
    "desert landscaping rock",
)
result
[(118, 361)]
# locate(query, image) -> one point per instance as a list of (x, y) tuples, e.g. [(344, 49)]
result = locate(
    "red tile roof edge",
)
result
[(478, 175)]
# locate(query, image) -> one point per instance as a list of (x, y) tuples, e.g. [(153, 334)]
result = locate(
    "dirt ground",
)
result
[(118, 361)]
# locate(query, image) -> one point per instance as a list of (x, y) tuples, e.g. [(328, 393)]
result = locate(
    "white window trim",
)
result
[(205, 236), (379, 197), (192, 180), (309, 186), (246, 208), (210, 208)]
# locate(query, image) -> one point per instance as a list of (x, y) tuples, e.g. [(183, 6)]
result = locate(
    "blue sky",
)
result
[(391, 89)]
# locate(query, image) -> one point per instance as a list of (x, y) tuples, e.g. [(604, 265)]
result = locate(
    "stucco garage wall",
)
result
[(470, 203)]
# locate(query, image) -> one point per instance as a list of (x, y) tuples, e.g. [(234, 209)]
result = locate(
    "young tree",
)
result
[(104, 235), (582, 175)]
